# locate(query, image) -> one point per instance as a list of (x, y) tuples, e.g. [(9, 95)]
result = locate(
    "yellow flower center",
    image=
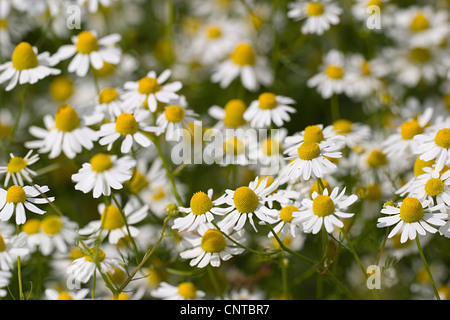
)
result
[(373, 192), (419, 164), (24, 57), (243, 55), (234, 113), (148, 85), (313, 134), (308, 150), (122, 296), (51, 225), (343, 126), (442, 138), (378, 3), (159, 194), (86, 43), (419, 23), (366, 69), (286, 213), (446, 99), (323, 206), (16, 194), (61, 88), (66, 118), (187, 290), (65, 296), (100, 255), (334, 72), (138, 182), (444, 292), (245, 200), (233, 146), (5, 131), (200, 203), (213, 32), (112, 218), (409, 129), (101, 162), (126, 124), (31, 226), (267, 100), (213, 241), (411, 210), (107, 95), (16, 164), (434, 186), (174, 113), (271, 147), (420, 55), (376, 159), (314, 9), (2, 244), (316, 187), (269, 181), (106, 70)]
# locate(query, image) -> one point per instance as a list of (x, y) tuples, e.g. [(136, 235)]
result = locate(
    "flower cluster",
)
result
[(224, 149)]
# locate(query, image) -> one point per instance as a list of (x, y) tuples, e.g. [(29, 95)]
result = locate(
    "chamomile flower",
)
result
[(83, 268), (17, 168), (175, 117), (313, 133), (107, 108), (16, 199), (353, 133), (26, 66), (253, 69), (365, 77), (411, 217), (5, 278), (210, 246), (319, 15), (102, 173), (112, 221), (184, 291), (11, 247), (151, 89), (324, 210), (65, 132), (53, 294), (284, 227), (87, 51), (231, 116), (202, 210), (333, 77), (246, 201), (435, 144), (52, 234), (131, 127), (269, 108)]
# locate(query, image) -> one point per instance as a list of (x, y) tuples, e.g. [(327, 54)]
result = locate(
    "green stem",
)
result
[(214, 281), (19, 115), (427, 268), (335, 113)]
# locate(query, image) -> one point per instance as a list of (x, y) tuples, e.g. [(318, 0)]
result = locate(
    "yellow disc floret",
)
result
[(286, 213), (234, 113), (410, 128), (213, 241), (112, 218), (434, 187), (245, 200), (31, 226), (267, 100), (442, 138), (2, 244), (213, 32), (16, 194), (148, 85), (187, 290), (86, 43), (419, 164), (271, 147), (51, 225), (323, 206), (335, 72), (174, 113), (313, 134), (24, 57), (342, 126), (420, 55), (419, 23), (314, 9), (243, 55), (65, 296), (16, 164), (200, 203), (411, 210), (376, 159), (107, 95), (101, 162), (126, 124), (308, 150), (233, 146), (61, 88), (66, 118)]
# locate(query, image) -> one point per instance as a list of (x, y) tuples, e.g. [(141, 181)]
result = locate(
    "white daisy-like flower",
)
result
[(319, 15), (312, 133), (26, 66), (269, 108), (11, 247), (284, 226), (418, 170), (324, 210), (210, 246), (364, 76), (17, 168), (412, 217), (435, 144), (254, 70), (83, 269), (102, 173), (175, 117), (53, 234), (433, 186), (87, 51), (246, 201), (353, 133), (152, 90), (333, 77), (63, 133), (132, 127), (401, 144), (231, 116), (53, 294), (107, 108), (112, 221), (184, 291), (16, 199), (5, 279), (202, 210), (312, 159)]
